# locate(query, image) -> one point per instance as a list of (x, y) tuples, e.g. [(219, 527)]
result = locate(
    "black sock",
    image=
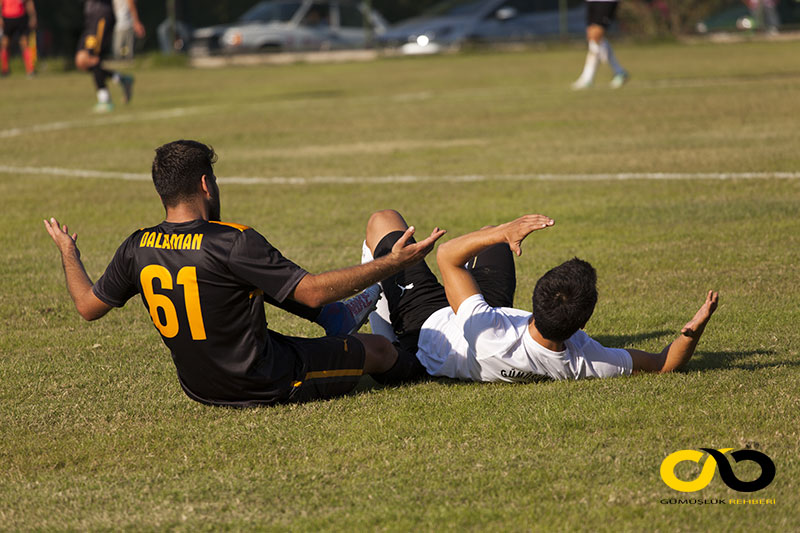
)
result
[(406, 368), (100, 76)]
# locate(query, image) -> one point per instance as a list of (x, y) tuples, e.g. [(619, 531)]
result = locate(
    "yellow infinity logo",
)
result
[(716, 458), (706, 474)]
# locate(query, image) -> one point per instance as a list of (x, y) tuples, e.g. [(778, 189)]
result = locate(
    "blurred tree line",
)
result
[(658, 18)]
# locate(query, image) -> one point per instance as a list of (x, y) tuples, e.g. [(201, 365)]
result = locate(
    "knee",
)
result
[(380, 353), (382, 223), (382, 217), (85, 62), (595, 33)]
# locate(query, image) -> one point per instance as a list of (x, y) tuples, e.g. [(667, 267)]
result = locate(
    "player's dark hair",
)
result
[(564, 299), (178, 167)]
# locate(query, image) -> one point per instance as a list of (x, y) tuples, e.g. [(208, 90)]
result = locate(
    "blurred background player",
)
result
[(123, 30), (765, 12), (19, 18), (599, 16), (96, 41)]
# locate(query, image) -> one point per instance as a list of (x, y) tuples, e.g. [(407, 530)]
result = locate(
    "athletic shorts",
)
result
[(414, 294), (98, 28), (324, 368), (601, 13), (16, 27)]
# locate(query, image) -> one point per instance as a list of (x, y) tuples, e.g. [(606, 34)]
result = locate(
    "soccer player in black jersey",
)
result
[(95, 42), (204, 283)]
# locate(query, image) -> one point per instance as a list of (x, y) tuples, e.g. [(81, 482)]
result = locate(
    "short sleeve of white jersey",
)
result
[(593, 360), (489, 331)]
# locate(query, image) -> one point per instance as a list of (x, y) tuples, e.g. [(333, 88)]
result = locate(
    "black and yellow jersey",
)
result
[(204, 285)]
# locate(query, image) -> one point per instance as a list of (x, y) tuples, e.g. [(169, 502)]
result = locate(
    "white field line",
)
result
[(102, 121), (281, 180)]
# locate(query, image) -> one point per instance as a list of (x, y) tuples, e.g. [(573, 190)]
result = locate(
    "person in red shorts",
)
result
[(19, 18)]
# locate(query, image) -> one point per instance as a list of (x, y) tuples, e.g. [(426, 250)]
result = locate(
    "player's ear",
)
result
[(205, 185)]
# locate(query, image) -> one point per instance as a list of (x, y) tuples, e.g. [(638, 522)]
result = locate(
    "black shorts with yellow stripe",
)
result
[(98, 28), (328, 366)]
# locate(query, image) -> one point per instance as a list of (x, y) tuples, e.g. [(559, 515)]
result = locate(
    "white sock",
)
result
[(103, 96), (115, 77), (607, 56), (379, 319), (590, 67)]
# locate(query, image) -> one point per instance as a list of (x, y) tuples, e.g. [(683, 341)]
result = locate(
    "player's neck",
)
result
[(186, 212), (553, 346)]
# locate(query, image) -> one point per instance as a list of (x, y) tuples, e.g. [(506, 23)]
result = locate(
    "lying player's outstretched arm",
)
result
[(79, 285), (316, 290), (675, 355), (454, 254)]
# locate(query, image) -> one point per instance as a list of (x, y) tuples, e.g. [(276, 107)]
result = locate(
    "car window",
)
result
[(455, 8), (270, 12), (536, 6), (350, 17), (319, 14), (531, 6)]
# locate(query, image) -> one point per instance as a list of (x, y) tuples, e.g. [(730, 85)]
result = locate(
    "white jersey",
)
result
[(483, 343), (123, 15)]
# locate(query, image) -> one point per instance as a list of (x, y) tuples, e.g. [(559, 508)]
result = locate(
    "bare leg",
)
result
[(381, 355), (381, 223)]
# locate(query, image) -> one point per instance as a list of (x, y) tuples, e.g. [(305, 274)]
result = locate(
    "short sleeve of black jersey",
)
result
[(117, 284), (256, 261)]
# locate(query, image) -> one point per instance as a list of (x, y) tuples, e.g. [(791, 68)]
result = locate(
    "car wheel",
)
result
[(271, 48)]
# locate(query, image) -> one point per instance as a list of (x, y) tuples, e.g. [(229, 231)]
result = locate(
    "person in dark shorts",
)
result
[(18, 20), (95, 43), (600, 14), (204, 283), (466, 327)]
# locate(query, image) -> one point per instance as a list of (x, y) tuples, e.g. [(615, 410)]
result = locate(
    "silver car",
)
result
[(286, 25)]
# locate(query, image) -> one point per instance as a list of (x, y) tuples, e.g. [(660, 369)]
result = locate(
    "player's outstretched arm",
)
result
[(454, 254), (675, 355), (89, 306), (316, 290)]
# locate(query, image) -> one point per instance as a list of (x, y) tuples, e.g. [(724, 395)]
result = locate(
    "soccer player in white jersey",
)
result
[(467, 329), (599, 16)]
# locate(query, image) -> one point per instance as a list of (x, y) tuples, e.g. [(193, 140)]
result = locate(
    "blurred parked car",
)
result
[(738, 17), (453, 23), (285, 25)]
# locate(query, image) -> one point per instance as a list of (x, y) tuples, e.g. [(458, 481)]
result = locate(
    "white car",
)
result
[(299, 25)]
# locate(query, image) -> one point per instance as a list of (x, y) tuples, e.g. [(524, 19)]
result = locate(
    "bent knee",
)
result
[(382, 223), (380, 353)]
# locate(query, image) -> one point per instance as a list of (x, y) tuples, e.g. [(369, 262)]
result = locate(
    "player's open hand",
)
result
[(61, 236), (516, 230), (694, 328), (409, 254)]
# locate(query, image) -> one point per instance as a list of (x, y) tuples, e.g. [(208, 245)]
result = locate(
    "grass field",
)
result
[(95, 433)]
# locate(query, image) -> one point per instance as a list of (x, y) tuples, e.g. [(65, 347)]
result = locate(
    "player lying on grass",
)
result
[(468, 330), (205, 282)]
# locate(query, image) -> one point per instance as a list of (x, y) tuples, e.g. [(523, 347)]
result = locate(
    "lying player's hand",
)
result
[(516, 230), (409, 254)]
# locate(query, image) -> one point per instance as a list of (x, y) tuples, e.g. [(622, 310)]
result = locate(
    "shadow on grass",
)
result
[(629, 341), (718, 360)]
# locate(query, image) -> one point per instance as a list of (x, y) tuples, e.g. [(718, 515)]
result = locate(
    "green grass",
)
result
[(95, 433)]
